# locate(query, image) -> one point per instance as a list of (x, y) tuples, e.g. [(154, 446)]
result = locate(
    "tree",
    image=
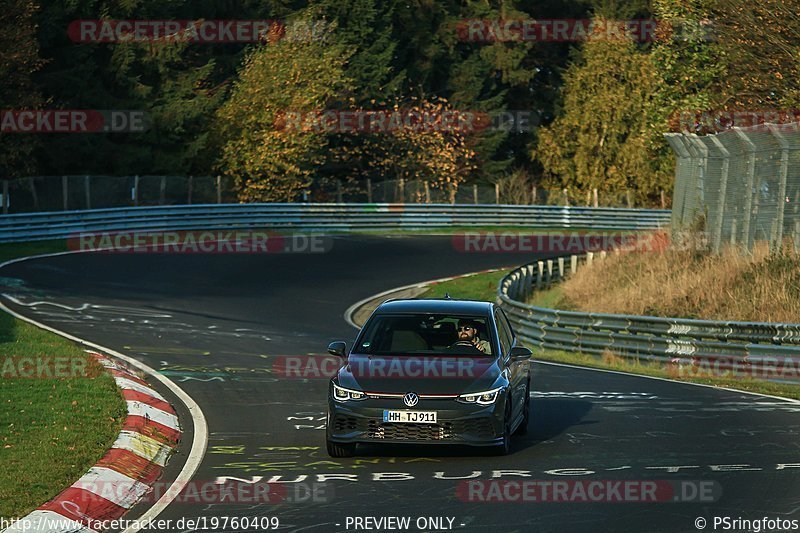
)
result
[(19, 59), (599, 139), (271, 160)]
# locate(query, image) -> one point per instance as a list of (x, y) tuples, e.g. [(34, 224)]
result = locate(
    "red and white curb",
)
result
[(125, 473)]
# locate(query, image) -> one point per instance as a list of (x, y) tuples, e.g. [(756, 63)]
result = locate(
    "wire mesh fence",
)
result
[(739, 186), (66, 193)]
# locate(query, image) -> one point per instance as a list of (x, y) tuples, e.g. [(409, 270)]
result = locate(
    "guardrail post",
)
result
[(549, 272), (540, 275), (427, 192), (573, 264), (595, 198), (589, 258), (533, 195), (475, 193), (603, 254), (529, 279), (497, 193), (402, 187), (561, 271), (87, 189), (663, 200), (369, 190), (566, 197), (189, 190), (629, 198), (5, 197), (219, 189), (162, 192), (65, 192)]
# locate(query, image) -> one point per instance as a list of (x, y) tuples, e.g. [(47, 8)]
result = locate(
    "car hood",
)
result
[(399, 374)]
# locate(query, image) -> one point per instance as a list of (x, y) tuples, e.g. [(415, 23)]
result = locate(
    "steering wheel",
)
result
[(460, 345)]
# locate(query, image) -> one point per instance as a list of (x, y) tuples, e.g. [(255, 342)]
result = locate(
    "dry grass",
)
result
[(690, 284)]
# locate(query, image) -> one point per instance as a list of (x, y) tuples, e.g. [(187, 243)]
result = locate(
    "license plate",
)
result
[(418, 417)]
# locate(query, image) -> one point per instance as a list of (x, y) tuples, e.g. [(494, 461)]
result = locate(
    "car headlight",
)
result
[(481, 398), (340, 394)]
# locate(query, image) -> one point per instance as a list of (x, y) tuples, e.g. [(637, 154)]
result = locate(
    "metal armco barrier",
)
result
[(759, 349), (324, 217)]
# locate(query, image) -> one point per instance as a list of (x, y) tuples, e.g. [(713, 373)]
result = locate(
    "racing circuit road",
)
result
[(217, 324)]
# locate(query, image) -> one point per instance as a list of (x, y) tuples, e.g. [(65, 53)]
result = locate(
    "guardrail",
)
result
[(324, 217), (769, 350)]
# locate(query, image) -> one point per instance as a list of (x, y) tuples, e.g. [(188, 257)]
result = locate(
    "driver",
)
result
[(468, 334)]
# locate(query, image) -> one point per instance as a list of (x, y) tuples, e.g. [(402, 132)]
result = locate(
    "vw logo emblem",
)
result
[(411, 399)]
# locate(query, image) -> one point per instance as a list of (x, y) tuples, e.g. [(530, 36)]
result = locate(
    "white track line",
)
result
[(200, 429), (348, 316)]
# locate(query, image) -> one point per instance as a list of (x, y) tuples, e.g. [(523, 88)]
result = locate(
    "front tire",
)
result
[(526, 412), (504, 448), (336, 449)]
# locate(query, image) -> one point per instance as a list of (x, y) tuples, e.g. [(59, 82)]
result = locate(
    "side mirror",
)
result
[(337, 348), (520, 353)]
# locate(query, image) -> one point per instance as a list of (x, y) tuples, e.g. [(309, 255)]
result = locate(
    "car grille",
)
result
[(377, 429)]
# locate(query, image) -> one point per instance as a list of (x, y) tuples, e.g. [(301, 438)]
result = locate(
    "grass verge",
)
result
[(483, 286), (56, 423)]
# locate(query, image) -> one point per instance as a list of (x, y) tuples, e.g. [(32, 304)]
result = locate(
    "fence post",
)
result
[(402, 188), (339, 191), (784, 142), (369, 190), (427, 192), (566, 197), (716, 236), (596, 200), (189, 186), (628, 198), (588, 198), (87, 190), (474, 193), (589, 258), (496, 193), (33, 193), (751, 174), (533, 194), (796, 236), (573, 264), (5, 197), (219, 189), (162, 192), (663, 200), (733, 232), (65, 192)]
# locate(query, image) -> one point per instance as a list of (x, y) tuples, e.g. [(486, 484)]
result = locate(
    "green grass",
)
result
[(52, 428), (484, 286), (22, 249), (478, 287)]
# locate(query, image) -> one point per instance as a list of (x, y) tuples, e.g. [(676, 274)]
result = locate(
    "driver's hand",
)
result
[(476, 343)]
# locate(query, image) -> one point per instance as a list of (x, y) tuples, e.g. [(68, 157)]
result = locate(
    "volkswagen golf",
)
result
[(436, 371)]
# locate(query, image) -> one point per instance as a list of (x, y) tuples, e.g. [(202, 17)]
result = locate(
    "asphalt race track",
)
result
[(218, 326)]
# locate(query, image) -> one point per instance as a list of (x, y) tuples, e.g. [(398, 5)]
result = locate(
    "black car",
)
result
[(436, 371)]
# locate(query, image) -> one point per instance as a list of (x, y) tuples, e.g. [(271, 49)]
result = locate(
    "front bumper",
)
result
[(457, 423)]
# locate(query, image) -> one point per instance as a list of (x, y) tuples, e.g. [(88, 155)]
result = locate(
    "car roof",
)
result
[(436, 305)]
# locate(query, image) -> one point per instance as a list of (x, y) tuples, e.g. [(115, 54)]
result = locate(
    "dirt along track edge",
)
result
[(200, 426)]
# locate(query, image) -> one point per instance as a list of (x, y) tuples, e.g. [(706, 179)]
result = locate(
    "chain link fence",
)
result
[(739, 186), (66, 193)]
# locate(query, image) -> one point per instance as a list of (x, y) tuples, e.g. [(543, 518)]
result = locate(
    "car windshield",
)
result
[(437, 334)]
